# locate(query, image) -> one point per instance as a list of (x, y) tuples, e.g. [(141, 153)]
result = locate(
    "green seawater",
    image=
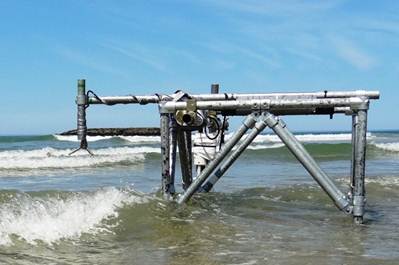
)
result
[(106, 209)]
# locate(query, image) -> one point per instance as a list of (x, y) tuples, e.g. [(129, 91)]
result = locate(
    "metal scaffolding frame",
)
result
[(181, 114)]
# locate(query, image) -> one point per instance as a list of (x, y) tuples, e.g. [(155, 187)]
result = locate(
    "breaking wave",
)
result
[(384, 181), (311, 138), (141, 139), (49, 219), (74, 138), (392, 147), (265, 146), (59, 158), (264, 138)]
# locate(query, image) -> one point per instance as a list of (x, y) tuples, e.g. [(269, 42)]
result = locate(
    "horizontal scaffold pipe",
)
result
[(154, 99), (298, 111), (266, 104)]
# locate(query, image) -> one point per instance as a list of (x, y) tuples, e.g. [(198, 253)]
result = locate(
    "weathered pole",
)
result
[(185, 156), (172, 152), (360, 163), (81, 101), (297, 149), (247, 124), (354, 145), (258, 128), (167, 183), (215, 89)]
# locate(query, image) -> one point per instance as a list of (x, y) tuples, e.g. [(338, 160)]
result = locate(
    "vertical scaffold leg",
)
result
[(359, 165), (308, 162), (352, 173), (172, 150), (167, 182), (185, 155), (258, 128), (81, 101), (247, 124)]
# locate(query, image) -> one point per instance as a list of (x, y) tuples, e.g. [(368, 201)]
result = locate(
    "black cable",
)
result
[(218, 129), (140, 101), (160, 96), (205, 130), (98, 98), (222, 131)]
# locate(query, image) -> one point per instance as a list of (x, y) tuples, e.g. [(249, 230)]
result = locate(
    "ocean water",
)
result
[(106, 209)]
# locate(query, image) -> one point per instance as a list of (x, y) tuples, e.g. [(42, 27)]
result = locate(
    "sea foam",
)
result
[(311, 138), (265, 141), (50, 219), (59, 158), (141, 139), (265, 146), (392, 147), (266, 138), (74, 138), (384, 181)]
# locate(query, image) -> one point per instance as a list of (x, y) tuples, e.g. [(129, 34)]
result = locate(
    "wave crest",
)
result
[(74, 138), (392, 147), (59, 158), (50, 219), (264, 138)]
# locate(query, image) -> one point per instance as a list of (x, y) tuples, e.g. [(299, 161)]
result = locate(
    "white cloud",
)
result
[(304, 55), (86, 60), (274, 8), (248, 53), (138, 53), (352, 54)]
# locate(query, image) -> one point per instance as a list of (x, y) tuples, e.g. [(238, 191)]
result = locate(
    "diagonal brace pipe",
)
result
[(297, 149), (247, 124), (258, 128)]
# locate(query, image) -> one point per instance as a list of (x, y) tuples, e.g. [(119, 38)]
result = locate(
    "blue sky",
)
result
[(144, 47)]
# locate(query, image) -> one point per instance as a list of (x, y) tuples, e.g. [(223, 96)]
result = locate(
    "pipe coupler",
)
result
[(270, 120), (250, 121), (358, 205), (363, 105)]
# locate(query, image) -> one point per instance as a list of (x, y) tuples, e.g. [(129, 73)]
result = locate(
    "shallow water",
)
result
[(57, 209)]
